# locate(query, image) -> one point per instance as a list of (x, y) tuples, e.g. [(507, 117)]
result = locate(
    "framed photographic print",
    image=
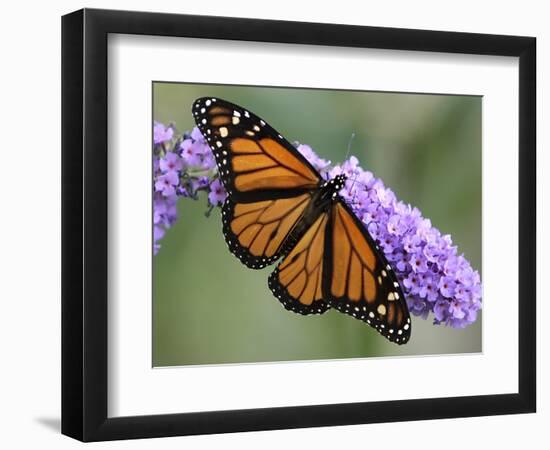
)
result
[(276, 224)]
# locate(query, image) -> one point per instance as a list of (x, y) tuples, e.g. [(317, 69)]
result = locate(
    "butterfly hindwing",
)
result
[(255, 162), (359, 281), (257, 232), (297, 280)]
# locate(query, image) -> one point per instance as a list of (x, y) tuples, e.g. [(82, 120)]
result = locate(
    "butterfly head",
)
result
[(330, 188), (338, 182)]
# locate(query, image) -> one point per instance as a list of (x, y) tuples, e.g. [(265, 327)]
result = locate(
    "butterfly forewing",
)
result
[(255, 162), (361, 282), (269, 183)]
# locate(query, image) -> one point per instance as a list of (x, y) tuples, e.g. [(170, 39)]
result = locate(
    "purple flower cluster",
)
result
[(434, 277), (182, 167)]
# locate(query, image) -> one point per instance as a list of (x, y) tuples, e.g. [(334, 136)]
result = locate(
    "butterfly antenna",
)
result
[(351, 188), (349, 145), (347, 155)]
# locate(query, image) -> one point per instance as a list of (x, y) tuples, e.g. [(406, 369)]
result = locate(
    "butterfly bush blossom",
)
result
[(182, 167), (435, 278)]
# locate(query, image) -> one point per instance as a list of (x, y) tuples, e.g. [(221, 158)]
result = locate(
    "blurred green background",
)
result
[(208, 308)]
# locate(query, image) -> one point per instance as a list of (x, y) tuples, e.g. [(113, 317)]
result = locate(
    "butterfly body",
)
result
[(320, 203), (280, 208)]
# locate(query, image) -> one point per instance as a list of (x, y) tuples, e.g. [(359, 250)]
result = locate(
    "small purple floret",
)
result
[(162, 133)]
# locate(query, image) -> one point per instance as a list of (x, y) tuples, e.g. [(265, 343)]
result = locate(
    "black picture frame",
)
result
[(84, 224)]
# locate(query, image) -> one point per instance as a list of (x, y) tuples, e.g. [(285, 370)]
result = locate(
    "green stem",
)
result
[(209, 210), (201, 173)]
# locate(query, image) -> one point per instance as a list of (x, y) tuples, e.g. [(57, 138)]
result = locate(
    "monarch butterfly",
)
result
[(279, 206)]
